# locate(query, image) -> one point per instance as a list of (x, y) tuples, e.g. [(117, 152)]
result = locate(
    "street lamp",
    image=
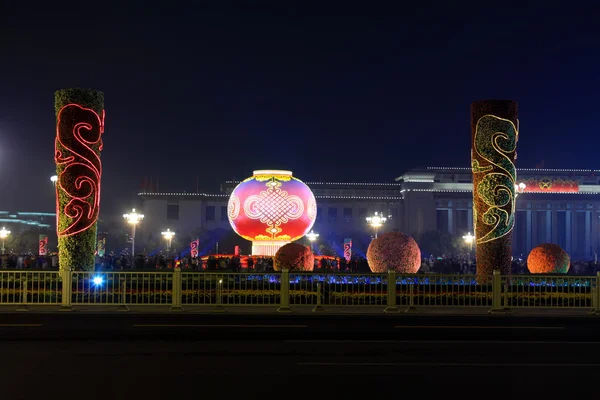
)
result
[(468, 238), (168, 235), (376, 222), (520, 188), (133, 218), (312, 236), (3, 235), (53, 179)]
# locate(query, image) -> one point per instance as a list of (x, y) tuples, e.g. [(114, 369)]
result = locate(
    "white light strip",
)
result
[(341, 183), (272, 172), (521, 169), (317, 196), (182, 194)]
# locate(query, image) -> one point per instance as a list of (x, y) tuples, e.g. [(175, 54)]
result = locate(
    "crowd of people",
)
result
[(460, 264)]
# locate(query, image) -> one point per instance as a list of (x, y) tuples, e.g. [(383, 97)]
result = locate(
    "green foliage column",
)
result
[(79, 128), (494, 135)]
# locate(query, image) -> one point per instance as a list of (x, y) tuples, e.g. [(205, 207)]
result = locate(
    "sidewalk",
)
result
[(306, 310)]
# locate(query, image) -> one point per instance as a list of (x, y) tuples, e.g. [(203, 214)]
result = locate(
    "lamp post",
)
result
[(520, 188), (468, 238), (168, 235), (133, 218), (53, 179), (3, 235), (312, 236), (376, 222)]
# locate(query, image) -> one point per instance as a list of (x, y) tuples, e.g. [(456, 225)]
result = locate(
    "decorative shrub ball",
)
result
[(394, 251), (548, 258), (295, 257)]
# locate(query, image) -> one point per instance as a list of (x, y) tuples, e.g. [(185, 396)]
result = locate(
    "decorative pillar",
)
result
[(494, 135), (79, 128)]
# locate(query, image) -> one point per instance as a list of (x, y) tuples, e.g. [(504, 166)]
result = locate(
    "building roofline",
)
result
[(338, 183), (220, 195), (518, 169)]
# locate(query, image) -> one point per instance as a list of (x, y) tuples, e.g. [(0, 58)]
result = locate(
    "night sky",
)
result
[(330, 92)]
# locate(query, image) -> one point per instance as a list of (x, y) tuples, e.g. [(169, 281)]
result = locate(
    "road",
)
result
[(130, 356)]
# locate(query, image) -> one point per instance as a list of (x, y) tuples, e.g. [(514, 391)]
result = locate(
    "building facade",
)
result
[(561, 206)]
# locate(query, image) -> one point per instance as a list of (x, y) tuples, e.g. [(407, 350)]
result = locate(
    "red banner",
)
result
[(194, 248), (550, 185), (43, 245), (348, 249)]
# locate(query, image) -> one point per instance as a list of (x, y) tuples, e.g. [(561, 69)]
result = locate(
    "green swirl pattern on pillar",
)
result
[(494, 142)]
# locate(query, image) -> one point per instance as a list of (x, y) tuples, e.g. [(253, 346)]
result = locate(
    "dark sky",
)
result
[(334, 92)]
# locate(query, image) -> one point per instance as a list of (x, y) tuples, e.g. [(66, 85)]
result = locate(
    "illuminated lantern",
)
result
[(79, 129), (271, 208)]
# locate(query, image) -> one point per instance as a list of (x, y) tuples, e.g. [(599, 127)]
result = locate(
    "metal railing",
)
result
[(285, 290)]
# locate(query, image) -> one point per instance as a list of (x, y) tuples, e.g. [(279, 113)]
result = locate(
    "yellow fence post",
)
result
[(497, 293), (123, 293), (23, 305), (284, 302), (67, 289), (391, 293), (411, 297), (319, 306), (219, 295), (177, 284)]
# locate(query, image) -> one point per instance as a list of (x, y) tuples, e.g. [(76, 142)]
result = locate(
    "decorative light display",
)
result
[(271, 208), (548, 258), (79, 128), (494, 126), (550, 185), (341, 183), (394, 251), (522, 169), (294, 257), (218, 195)]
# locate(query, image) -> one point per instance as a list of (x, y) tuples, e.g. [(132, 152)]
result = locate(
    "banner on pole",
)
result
[(194, 248), (347, 249), (101, 247), (101, 244), (43, 245)]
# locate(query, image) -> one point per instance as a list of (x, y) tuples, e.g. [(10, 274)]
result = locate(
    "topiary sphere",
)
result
[(548, 258), (394, 251), (295, 257)]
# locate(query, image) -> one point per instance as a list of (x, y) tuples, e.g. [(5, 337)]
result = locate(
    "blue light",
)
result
[(97, 280)]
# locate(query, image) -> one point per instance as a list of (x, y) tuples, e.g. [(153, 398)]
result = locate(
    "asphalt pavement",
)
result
[(130, 356)]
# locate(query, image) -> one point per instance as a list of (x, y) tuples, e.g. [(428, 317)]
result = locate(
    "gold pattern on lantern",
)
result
[(273, 207)]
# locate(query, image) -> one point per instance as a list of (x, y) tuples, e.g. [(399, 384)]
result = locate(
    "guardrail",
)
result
[(286, 290)]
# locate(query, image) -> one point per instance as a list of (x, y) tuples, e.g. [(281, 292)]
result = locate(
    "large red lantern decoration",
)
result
[(271, 208)]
